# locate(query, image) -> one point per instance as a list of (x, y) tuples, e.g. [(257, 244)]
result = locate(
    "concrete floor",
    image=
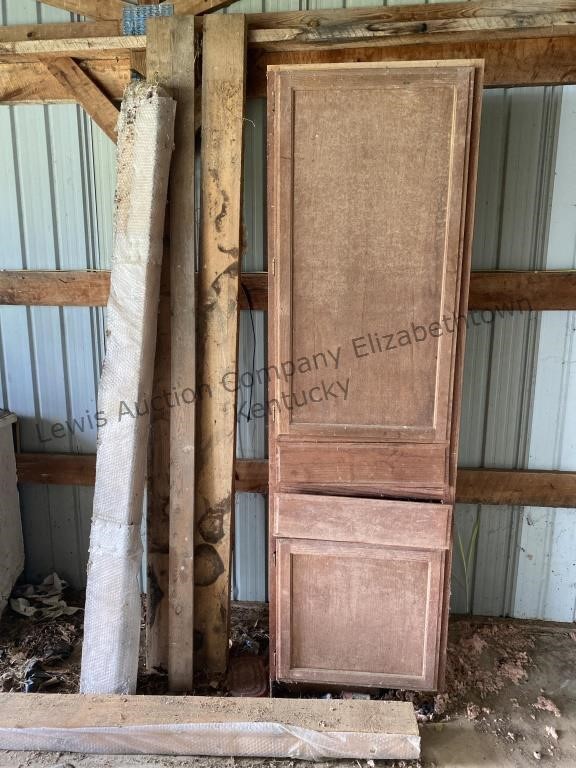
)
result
[(500, 675)]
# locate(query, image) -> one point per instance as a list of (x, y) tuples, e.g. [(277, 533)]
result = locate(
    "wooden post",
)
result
[(171, 63), (223, 89)]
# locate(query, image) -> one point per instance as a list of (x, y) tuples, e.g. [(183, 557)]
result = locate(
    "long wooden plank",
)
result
[(537, 291), (516, 487), (95, 9), (469, 10), (89, 96), (356, 33), (498, 290), (223, 89), (296, 728), (90, 288), (197, 7), (55, 31), (158, 510), (80, 47), (473, 486), (170, 62)]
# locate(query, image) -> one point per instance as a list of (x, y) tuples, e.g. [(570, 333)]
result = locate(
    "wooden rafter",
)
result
[(86, 93), (474, 486)]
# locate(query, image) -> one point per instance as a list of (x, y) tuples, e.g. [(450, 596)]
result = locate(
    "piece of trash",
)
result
[(510, 736), (370, 763), (42, 601), (473, 711), (547, 705), (537, 755), (552, 732)]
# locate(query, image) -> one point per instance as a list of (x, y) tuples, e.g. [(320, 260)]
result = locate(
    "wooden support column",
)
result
[(171, 63), (223, 87)]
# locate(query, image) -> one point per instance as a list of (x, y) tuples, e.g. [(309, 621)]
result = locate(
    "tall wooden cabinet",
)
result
[(371, 187)]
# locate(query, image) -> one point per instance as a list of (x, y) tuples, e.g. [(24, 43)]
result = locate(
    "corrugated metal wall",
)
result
[(519, 388), (56, 196)]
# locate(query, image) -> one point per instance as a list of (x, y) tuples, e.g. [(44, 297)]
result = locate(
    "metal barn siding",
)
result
[(546, 576), (56, 207), (519, 399), (516, 172)]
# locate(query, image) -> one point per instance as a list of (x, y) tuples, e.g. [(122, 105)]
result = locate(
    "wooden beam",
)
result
[(204, 725), (56, 468), (197, 7), (474, 486), (23, 51), (61, 288), (498, 290), (31, 83), (170, 62), (356, 33), (524, 62), (55, 288), (58, 31), (86, 93), (158, 510), (223, 88), (537, 291), (95, 9), (470, 10), (516, 487)]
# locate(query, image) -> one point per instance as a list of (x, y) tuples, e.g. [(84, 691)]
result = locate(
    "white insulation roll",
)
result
[(113, 609)]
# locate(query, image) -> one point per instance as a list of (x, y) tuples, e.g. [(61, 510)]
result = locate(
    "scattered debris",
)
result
[(547, 705), (537, 755), (43, 601)]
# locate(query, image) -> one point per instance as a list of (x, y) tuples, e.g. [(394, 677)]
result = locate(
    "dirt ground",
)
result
[(510, 698)]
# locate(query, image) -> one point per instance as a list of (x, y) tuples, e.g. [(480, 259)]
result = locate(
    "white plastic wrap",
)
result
[(112, 621), (273, 740)]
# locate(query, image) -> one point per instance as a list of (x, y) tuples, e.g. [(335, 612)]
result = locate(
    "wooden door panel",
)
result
[(371, 469), (359, 590), (369, 181), (359, 521), (358, 615)]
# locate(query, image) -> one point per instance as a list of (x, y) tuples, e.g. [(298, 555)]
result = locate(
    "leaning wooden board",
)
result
[(371, 196)]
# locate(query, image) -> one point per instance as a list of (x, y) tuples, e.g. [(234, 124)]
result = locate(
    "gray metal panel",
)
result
[(56, 209), (516, 172), (546, 583)]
